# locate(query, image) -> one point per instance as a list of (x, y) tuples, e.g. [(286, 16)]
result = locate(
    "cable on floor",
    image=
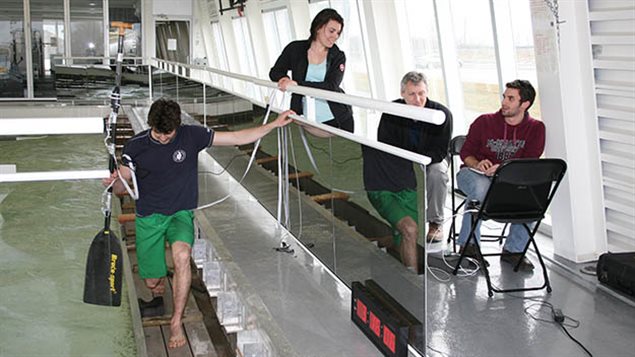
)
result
[(557, 317), (463, 272)]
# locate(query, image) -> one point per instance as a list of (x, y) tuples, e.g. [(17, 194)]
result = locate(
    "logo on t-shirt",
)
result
[(504, 148), (178, 156)]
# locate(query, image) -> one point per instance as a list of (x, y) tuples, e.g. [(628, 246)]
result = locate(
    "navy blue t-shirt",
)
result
[(167, 174)]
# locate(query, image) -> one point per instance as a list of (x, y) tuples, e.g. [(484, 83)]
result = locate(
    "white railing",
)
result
[(61, 60), (256, 91)]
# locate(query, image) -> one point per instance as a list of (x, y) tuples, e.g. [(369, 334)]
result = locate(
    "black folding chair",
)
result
[(520, 192), (454, 150)]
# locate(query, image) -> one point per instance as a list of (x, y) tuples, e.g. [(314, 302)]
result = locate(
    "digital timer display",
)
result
[(378, 322)]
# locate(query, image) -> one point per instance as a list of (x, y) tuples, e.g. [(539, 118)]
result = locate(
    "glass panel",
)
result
[(190, 96), (477, 58), (87, 26), (424, 42), (524, 48), (363, 241), (129, 12), (170, 86), (343, 229), (158, 88), (47, 26), (12, 50)]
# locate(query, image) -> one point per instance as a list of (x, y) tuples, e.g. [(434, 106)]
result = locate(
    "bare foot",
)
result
[(177, 338)]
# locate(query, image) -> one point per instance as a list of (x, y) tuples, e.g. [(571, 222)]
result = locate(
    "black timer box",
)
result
[(386, 323)]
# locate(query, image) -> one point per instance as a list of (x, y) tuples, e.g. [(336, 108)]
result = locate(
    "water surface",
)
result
[(45, 231)]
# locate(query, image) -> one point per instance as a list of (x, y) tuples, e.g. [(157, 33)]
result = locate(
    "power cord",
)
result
[(556, 317), (463, 272)]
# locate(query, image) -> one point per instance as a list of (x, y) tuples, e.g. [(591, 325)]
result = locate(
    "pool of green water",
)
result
[(46, 229)]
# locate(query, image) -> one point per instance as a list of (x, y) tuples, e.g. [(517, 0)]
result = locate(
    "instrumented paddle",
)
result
[(102, 285)]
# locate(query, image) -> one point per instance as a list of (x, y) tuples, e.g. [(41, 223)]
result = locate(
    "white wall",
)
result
[(565, 79), (172, 8)]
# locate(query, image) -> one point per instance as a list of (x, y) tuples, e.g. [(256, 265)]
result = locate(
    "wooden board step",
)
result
[(299, 175), (157, 329), (325, 197), (265, 160), (126, 217)]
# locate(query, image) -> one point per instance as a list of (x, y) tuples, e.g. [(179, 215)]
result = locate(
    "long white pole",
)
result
[(54, 175)]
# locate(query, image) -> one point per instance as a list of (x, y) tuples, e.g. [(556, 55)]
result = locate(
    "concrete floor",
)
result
[(463, 321), (311, 310)]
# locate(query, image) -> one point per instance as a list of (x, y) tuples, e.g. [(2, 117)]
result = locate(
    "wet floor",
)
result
[(45, 231)]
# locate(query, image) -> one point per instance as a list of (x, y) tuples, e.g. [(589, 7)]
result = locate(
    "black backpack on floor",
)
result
[(617, 270)]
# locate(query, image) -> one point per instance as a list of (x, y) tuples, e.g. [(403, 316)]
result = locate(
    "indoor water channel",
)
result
[(46, 229)]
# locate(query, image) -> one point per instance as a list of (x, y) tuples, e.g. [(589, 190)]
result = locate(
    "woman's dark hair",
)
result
[(525, 89), (322, 18), (164, 116)]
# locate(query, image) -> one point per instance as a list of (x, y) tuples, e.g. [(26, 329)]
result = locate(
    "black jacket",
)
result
[(294, 59), (386, 172)]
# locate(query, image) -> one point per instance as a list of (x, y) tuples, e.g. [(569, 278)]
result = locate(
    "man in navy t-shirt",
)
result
[(164, 159)]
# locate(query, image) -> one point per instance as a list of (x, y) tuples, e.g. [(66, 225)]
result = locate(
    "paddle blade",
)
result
[(104, 270)]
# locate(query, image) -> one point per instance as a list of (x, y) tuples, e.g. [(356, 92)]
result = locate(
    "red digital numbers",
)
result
[(375, 324), (362, 311), (389, 339)]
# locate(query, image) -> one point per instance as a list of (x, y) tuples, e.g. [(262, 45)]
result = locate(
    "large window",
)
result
[(424, 45), (356, 80), (476, 55), (130, 12), (244, 47), (219, 46), (12, 50), (524, 47), (277, 21), (87, 39), (47, 26)]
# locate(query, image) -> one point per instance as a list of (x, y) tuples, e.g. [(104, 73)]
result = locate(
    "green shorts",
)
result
[(394, 206), (152, 232)]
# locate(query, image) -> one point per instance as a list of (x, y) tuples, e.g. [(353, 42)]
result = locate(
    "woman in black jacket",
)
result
[(318, 63)]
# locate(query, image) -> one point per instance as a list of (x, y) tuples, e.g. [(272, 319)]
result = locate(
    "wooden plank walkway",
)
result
[(156, 330), (206, 337)]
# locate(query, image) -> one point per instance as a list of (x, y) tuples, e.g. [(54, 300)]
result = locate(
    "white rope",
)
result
[(308, 150), (133, 192), (279, 211), (251, 159), (297, 179)]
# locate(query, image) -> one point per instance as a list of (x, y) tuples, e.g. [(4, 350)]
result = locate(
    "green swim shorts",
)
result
[(394, 206), (152, 232)]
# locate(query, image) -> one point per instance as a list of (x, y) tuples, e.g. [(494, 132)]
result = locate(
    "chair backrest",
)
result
[(522, 189), (454, 148)]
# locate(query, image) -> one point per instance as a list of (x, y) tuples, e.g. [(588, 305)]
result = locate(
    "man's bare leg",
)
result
[(408, 249), (156, 286), (181, 289)]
